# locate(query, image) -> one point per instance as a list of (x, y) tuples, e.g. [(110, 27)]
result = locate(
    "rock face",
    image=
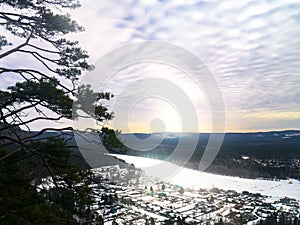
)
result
[(87, 156), (7, 132), (91, 149)]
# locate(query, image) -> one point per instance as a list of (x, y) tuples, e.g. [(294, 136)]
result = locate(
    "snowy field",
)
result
[(194, 179)]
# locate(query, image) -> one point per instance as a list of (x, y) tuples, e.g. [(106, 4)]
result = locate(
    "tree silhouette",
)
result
[(152, 222), (181, 190), (46, 90), (151, 190), (46, 80), (163, 187)]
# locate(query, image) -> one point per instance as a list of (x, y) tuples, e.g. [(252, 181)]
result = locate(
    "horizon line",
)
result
[(226, 132)]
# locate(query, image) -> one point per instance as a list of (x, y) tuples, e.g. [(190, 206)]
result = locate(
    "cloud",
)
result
[(252, 47)]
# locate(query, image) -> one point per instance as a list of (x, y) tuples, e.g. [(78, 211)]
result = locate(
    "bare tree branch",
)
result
[(16, 48), (19, 110)]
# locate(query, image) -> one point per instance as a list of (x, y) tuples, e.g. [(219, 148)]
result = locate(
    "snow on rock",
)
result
[(195, 179)]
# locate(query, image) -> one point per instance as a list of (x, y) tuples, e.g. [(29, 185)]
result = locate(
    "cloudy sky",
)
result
[(252, 48)]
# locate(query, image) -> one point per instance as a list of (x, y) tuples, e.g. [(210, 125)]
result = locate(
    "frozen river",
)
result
[(195, 179)]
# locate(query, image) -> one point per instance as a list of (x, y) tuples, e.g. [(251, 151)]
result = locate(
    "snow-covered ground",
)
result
[(195, 179)]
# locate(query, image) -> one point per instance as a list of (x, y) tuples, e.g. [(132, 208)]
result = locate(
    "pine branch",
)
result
[(16, 48)]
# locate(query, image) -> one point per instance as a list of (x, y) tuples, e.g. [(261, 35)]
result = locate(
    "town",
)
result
[(127, 196)]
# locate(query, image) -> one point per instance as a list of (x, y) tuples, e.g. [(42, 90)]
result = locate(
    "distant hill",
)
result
[(273, 144), (281, 146), (271, 155)]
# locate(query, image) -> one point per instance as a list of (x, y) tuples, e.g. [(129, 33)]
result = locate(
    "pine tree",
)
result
[(152, 222), (151, 190), (45, 91)]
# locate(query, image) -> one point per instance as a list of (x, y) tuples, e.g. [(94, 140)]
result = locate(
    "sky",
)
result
[(251, 48)]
